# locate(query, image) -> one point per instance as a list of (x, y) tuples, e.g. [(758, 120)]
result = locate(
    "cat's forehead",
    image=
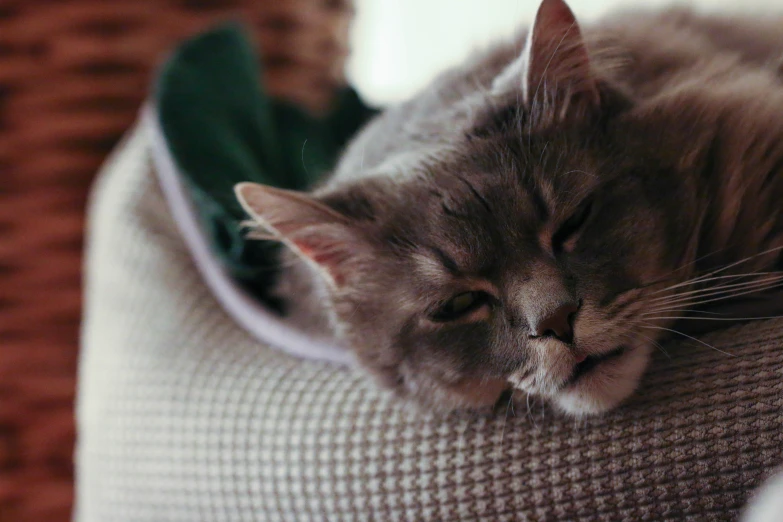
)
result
[(464, 224), (491, 180), (490, 197), (532, 174)]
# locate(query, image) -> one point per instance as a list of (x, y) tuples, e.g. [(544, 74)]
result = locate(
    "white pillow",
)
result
[(184, 416)]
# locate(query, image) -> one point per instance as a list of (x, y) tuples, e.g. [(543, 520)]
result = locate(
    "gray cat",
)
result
[(540, 217)]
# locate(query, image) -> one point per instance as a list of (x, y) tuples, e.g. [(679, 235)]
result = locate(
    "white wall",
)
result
[(399, 45)]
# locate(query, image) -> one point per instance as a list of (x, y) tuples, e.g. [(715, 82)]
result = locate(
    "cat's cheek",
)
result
[(607, 386), (477, 392)]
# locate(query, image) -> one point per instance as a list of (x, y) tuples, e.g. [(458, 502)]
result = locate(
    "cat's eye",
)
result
[(571, 226), (460, 306)]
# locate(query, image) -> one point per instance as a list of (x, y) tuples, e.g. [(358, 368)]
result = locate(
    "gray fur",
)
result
[(673, 129)]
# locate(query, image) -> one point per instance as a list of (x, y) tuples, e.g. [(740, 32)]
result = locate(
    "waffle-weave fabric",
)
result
[(184, 417)]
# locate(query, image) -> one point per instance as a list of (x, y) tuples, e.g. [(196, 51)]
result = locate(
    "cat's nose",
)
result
[(558, 324)]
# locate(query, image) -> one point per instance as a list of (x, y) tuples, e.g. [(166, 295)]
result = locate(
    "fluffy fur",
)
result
[(595, 188)]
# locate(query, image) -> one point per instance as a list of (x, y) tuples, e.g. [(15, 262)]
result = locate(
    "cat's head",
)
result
[(527, 256)]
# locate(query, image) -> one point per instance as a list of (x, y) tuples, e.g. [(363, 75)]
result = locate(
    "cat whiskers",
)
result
[(729, 284), (706, 277), (509, 405), (304, 165), (686, 311), (529, 414), (730, 319), (629, 329), (671, 307), (633, 337), (670, 275), (703, 278), (714, 294), (655, 327)]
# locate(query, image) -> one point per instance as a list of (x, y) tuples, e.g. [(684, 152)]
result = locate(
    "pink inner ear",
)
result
[(331, 255)]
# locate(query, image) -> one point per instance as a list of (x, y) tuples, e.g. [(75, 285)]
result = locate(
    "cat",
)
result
[(538, 218)]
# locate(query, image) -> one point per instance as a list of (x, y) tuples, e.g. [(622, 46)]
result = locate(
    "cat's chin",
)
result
[(605, 385)]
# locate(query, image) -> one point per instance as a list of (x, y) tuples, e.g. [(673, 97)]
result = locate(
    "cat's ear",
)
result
[(553, 70), (317, 233)]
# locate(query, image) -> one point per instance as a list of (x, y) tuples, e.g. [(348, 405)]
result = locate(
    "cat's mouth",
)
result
[(590, 362)]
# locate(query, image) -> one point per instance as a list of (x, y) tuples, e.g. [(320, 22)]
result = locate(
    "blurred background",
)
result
[(399, 44), (72, 76)]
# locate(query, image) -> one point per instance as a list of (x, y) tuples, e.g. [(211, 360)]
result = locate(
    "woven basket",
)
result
[(72, 76)]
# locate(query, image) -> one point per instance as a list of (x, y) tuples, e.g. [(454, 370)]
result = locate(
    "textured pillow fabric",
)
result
[(183, 416)]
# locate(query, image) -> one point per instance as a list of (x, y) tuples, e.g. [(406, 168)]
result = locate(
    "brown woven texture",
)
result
[(72, 76)]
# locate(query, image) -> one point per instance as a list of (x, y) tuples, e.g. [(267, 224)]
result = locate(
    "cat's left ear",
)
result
[(553, 71), (320, 235)]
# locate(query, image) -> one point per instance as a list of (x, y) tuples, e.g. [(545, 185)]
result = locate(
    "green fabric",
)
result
[(222, 128)]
